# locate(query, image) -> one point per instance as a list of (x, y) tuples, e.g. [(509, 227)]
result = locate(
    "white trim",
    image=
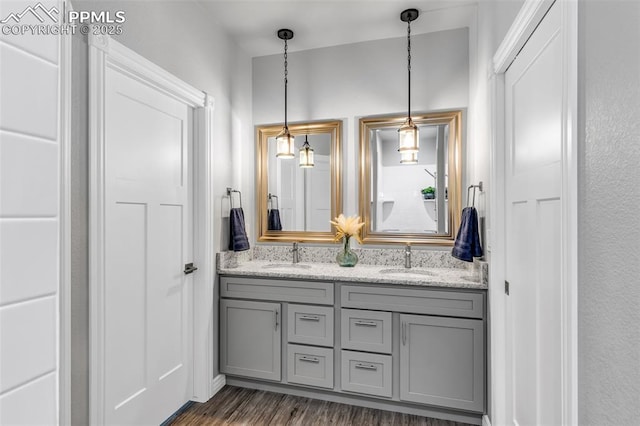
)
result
[(105, 52), (204, 253), (523, 26), (218, 383), (531, 14), (486, 421), (64, 288), (570, 213)]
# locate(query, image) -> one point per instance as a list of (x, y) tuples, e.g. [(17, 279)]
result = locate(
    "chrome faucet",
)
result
[(295, 252), (407, 256)]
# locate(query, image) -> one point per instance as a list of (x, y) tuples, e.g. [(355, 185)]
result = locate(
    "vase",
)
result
[(346, 256)]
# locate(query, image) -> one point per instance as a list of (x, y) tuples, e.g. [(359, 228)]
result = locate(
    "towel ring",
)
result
[(271, 201), (230, 195), (479, 186)]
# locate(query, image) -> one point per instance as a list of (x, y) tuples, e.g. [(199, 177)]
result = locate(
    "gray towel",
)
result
[(273, 222), (238, 240)]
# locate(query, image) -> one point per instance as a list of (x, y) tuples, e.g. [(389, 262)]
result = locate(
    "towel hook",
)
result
[(479, 186), (230, 191), (271, 201)]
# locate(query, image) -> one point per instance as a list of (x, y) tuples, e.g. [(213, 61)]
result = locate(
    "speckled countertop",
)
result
[(426, 277)]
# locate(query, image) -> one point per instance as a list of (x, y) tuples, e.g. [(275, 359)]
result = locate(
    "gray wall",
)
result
[(609, 223), (360, 79), (182, 39)]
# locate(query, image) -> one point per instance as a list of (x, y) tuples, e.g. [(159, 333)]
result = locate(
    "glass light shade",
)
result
[(408, 158), (284, 144), (408, 137), (306, 156)]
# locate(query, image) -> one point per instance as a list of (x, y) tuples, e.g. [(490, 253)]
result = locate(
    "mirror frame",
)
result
[(263, 133), (454, 120)]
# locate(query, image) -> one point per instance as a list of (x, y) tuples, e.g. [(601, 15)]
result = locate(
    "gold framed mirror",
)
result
[(417, 201), (305, 198)]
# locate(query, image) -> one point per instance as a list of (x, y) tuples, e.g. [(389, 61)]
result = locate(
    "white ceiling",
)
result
[(321, 23)]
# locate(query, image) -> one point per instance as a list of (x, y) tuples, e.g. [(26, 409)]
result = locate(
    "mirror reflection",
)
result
[(409, 195), (411, 198), (297, 197)]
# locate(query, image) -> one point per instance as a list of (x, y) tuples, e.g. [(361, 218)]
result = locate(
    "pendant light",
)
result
[(408, 135), (306, 154), (408, 158), (284, 140)]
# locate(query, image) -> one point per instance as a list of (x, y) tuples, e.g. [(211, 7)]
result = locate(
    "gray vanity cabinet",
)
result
[(442, 361), (250, 338)]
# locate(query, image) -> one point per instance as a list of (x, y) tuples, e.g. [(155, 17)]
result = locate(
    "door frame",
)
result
[(525, 23), (104, 52)]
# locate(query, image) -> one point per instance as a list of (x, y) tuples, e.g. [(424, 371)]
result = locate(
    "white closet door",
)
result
[(533, 104)]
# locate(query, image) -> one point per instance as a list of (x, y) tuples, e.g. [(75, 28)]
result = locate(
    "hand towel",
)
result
[(467, 245), (238, 240), (273, 222)]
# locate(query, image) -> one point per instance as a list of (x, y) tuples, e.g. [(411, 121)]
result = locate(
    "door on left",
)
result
[(148, 239)]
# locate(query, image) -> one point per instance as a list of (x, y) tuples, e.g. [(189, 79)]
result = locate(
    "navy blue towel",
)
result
[(273, 222), (238, 240), (467, 245)]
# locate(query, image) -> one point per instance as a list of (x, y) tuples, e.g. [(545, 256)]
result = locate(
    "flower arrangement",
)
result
[(347, 227)]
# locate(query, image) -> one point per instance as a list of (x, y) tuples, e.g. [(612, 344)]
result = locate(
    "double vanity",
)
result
[(403, 339)]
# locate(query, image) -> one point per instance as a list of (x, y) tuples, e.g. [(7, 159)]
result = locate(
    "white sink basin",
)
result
[(406, 271), (286, 266)]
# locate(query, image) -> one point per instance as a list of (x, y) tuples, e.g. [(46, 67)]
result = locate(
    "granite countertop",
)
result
[(425, 277)]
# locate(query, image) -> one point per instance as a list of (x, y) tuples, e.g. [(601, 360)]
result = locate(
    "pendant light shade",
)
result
[(408, 158), (284, 141), (306, 154), (408, 134)]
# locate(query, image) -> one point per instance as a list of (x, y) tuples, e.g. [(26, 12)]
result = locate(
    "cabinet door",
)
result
[(442, 361), (250, 339)]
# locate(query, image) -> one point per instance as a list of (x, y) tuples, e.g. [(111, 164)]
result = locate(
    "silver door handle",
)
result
[(277, 313), (189, 268), (366, 366), (366, 323), (310, 359), (309, 318)]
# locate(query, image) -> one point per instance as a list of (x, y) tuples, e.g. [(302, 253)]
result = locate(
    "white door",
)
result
[(318, 195), (148, 239), (533, 109)]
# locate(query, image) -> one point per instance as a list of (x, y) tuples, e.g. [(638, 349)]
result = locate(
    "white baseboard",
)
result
[(486, 421), (218, 383)]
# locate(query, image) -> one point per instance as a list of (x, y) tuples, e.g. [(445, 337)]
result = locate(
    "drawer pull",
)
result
[(309, 318), (366, 323), (310, 359), (366, 366)]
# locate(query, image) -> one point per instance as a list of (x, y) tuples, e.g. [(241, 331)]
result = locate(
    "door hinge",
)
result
[(189, 268), (506, 287)]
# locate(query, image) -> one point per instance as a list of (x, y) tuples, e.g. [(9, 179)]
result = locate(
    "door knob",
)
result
[(189, 268)]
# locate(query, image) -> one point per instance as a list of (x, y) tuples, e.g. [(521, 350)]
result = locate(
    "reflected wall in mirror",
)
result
[(296, 203), (411, 200)]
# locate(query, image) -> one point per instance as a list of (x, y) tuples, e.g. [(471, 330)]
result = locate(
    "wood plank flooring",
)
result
[(239, 406)]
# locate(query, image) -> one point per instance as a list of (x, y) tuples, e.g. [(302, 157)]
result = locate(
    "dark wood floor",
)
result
[(238, 406)]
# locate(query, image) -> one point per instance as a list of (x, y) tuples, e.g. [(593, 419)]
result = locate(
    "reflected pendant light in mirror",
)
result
[(408, 158), (408, 138), (284, 140), (306, 154)]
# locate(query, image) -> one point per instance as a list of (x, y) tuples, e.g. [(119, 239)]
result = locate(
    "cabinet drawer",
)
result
[(311, 325), (418, 301), (366, 373), (311, 366), (280, 290), (366, 330)]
